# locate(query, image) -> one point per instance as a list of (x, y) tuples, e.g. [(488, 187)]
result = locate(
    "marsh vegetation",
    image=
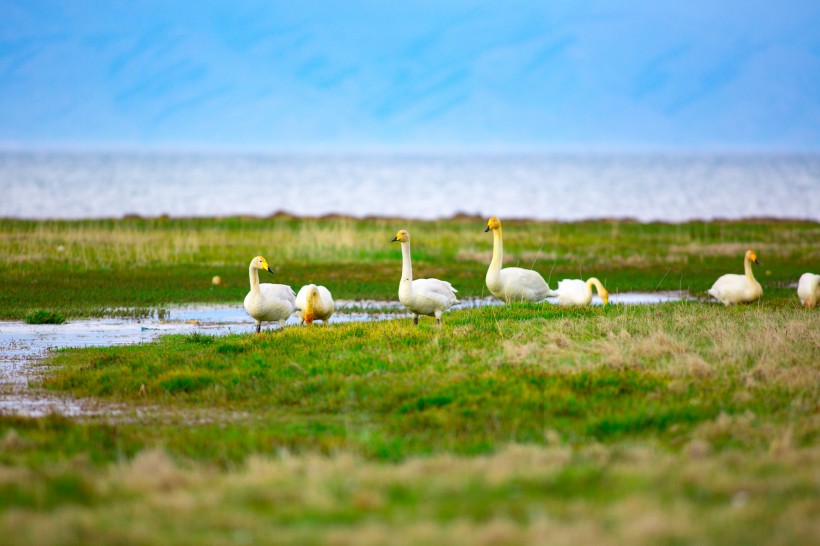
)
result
[(97, 267), (676, 423)]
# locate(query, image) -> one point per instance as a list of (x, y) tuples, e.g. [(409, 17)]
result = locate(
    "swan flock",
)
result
[(432, 297)]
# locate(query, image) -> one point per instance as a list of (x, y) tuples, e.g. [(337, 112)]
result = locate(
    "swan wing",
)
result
[(301, 297), (326, 303), (732, 288), (573, 292), (278, 291), (273, 302), (442, 292), (324, 294), (526, 284)]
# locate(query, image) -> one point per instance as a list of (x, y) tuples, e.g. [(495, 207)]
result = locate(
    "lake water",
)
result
[(672, 187)]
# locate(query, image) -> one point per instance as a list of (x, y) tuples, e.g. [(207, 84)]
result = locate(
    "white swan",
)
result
[(808, 289), (268, 302), (429, 297), (730, 288), (578, 292), (512, 283), (314, 303)]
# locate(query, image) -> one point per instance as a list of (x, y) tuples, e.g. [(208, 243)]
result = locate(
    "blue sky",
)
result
[(410, 75)]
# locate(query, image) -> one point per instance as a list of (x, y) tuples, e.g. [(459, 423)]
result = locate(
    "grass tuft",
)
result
[(44, 317)]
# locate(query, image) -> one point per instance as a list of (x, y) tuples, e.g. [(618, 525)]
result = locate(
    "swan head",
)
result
[(752, 257), (604, 295), (261, 263), (401, 237), (493, 223)]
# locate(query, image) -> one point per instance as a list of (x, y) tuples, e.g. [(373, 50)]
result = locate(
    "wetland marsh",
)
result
[(678, 422)]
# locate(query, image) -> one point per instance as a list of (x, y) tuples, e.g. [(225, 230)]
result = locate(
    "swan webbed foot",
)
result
[(416, 320), (258, 327), (438, 321)]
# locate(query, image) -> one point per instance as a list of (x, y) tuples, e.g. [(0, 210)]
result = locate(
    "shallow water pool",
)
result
[(23, 345)]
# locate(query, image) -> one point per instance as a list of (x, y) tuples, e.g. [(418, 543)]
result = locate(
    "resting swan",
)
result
[(730, 288), (512, 283), (808, 289), (429, 297), (578, 292), (268, 302), (314, 303)]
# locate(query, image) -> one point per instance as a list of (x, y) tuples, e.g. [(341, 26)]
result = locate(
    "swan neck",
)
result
[(406, 265), (498, 250), (747, 267), (592, 281), (253, 273), (310, 303)]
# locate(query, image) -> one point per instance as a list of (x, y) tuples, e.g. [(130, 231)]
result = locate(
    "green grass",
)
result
[(150, 263), (524, 424), (674, 423), (491, 376), (44, 317)]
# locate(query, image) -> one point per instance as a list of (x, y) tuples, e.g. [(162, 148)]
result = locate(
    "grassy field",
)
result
[(525, 424), (148, 263)]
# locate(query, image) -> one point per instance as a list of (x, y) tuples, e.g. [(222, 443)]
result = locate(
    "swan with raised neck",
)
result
[(512, 283), (265, 301), (731, 288), (428, 297)]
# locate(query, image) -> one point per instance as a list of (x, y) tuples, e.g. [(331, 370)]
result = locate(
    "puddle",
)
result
[(645, 298), (22, 345)]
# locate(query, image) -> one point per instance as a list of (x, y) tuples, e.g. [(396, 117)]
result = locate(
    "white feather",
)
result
[(323, 306), (808, 289)]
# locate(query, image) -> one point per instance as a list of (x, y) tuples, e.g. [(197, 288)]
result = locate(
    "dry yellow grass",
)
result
[(343, 499)]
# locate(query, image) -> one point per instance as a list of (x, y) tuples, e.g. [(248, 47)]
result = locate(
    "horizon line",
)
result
[(399, 150)]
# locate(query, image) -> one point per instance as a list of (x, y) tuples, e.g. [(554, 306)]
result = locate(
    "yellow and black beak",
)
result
[(394, 239), (757, 262), (486, 229), (270, 270)]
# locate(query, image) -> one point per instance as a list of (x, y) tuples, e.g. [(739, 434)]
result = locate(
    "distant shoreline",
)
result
[(278, 215), (549, 187)]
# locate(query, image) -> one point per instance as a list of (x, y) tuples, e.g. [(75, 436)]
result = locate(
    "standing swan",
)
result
[(808, 289), (578, 292), (268, 302), (512, 283), (730, 288), (314, 303), (430, 297)]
